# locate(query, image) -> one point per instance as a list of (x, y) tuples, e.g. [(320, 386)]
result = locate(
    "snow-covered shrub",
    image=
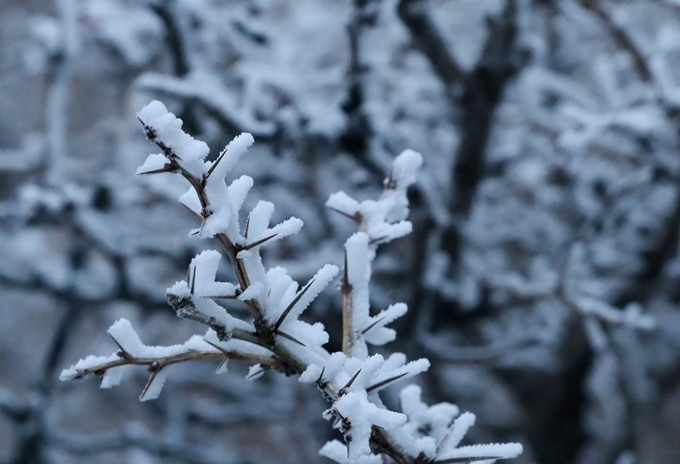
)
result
[(274, 338)]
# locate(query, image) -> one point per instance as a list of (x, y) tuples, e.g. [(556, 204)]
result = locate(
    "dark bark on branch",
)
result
[(483, 89), (483, 92), (427, 37), (359, 131)]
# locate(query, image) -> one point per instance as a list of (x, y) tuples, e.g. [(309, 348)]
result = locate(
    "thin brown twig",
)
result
[(347, 333)]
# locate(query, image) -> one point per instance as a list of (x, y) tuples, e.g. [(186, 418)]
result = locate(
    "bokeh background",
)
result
[(542, 277)]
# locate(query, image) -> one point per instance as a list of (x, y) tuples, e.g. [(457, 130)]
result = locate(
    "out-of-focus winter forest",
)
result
[(542, 277)]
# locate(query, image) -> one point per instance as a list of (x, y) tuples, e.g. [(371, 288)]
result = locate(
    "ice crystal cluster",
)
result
[(276, 338)]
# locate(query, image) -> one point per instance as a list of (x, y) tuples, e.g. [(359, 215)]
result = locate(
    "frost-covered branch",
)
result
[(379, 222), (133, 352), (277, 338)]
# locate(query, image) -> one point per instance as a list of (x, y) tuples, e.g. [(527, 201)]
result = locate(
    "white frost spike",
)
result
[(383, 220), (226, 201), (154, 385), (112, 377), (282, 290), (481, 452), (258, 220), (436, 420), (88, 362), (223, 368), (253, 292), (438, 416), (367, 372), (222, 216), (153, 163), (361, 415), (253, 263), (386, 376), (409, 397), (202, 272), (334, 365), (258, 225), (125, 336), (315, 286), (330, 369), (405, 169), (337, 452), (286, 228), (375, 332), (236, 194), (230, 155), (372, 374), (191, 201), (343, 203), (394, 361), (457, 431), (229, 322), (238, 190), (127, 339), (255, 372), (313, 373)]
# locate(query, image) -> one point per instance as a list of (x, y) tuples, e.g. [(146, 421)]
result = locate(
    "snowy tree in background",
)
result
[(540, 275)]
